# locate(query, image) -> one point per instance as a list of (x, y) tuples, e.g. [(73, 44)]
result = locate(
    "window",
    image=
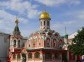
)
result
[(37, 55), (48, 56), (48, 23), (29, 45), (54, 44), (39, 43), (30, 55), (44, 23), (41, 23), (48, 44), (18, 56), (18, 43), (14, 43), (34, 45)]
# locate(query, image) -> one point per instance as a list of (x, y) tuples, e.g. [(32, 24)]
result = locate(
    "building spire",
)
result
[(16, 29), (66, 35), (65, 30)]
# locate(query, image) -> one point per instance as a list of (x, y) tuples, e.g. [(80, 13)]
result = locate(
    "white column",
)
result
[(26, 56), (21, 57), (60, 57), (75, 58), (53, 57), (43, 57), (16, 43), (16, 58)]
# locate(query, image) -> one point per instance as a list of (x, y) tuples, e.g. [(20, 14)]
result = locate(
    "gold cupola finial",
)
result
[(44, 15), (16, 21)]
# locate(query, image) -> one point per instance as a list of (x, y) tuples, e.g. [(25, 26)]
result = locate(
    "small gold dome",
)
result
[(44, 15)]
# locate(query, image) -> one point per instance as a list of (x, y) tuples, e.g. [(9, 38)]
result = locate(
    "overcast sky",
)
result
[(69, 13)]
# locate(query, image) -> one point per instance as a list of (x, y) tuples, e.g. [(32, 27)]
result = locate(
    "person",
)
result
[(82, 58)]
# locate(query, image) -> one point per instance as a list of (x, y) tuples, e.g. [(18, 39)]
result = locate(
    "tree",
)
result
[(77, 48)]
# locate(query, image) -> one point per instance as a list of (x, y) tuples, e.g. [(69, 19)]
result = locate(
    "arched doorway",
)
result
[(23, 57)]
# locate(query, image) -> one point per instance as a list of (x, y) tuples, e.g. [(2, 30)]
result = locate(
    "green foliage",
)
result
[(77, 48)]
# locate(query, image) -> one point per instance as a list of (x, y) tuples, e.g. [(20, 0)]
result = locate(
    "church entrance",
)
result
[(23, 57)]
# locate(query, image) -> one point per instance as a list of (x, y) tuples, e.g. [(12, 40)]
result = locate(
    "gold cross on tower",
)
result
[(17, 21)]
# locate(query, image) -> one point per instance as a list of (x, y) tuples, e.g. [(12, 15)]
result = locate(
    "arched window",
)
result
[(33, 44), (18, 56), (48, 56), (44, 23), (37, 55), (39, 43), (48, 42), (41, 23), (54, 42), (18, 43), (48, 23), (30, 55), (14, 43), (29, 45)]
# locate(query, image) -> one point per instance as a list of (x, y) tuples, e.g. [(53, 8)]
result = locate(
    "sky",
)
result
[(63, 13)]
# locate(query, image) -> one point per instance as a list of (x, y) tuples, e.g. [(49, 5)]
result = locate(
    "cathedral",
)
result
[(44, 45)]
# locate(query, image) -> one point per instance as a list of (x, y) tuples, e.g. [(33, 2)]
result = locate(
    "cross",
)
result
[(17, 21)]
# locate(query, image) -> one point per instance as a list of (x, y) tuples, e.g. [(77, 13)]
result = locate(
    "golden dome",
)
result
[(44, 15)]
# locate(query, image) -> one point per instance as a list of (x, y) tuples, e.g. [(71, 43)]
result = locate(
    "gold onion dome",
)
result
[(44, 15)]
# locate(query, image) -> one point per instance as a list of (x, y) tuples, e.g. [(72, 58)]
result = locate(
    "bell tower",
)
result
[(15, 43), (16, 38), (44, 21)]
